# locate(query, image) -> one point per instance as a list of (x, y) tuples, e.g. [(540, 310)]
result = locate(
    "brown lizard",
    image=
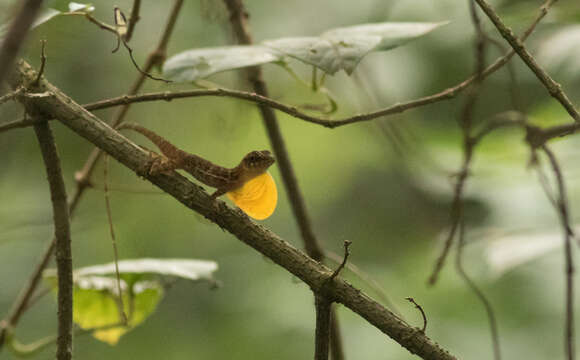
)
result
[(223, 179)]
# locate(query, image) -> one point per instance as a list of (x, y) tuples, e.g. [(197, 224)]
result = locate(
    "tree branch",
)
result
[(552, 86), (156, 57), (261, 239), (322, 332), (239, 22), (569, 261), (131, 98), (63, 240), (15, 35), (478, 293), (238, 19), (83, 180), (133, 19)]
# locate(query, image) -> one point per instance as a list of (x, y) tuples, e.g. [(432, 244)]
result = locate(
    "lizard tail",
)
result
[(165, 146)]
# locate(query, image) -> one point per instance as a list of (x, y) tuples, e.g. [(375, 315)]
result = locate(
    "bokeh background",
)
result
[(386, 185)]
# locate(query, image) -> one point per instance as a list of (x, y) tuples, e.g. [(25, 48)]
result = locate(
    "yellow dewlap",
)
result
[(257, 198)]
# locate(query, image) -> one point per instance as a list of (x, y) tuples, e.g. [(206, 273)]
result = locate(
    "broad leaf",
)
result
[(343, 48), (183, 268), (200, 63), (95, 305), (96, 296)]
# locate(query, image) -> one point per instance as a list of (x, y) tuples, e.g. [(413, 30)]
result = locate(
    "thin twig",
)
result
[(10, 96), (37, 296), (15, 35), (322, 332), (490, 126), (347, 244), (102, 25), (63, 240), (42, 63), (143, 72), (477, 292), (119, 298), (569, 261), (381, 293), (156, 57), (239, 22), (313, 273), (83, 180), (552, 86), (238, 19), (158, 54), (516, 101), (411, 300), (133, 19), (545, 183), (468, 144)]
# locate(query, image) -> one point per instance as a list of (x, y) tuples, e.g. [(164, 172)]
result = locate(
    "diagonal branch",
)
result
[(552, 86), (63, 240), (131, 97), (239, 22), (83, 182), (258, 237)]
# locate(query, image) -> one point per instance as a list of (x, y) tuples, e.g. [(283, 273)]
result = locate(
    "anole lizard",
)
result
[(248, 184)]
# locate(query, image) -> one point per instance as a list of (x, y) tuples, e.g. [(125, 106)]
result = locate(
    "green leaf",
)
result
[(200, 63), (343, 48), (95, 306), (96, 297)]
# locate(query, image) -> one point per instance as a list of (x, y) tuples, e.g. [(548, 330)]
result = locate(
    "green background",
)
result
[(390, 198)]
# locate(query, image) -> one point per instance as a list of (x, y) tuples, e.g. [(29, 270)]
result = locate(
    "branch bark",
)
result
[(83, 179), (74, 116), (239, 21), (64, 349), (322, 333), (552, 86)]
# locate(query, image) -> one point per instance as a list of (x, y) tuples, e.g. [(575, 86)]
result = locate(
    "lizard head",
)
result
[(257, 162)]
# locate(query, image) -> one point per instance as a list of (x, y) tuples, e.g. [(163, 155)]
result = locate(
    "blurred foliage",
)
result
[(385, 185)]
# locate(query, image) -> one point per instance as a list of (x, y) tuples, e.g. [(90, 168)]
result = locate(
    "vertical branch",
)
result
[(123, 316), (83, 177), (478, 293), (155, 58), (238, 19), (322, 332), (16, 34), (569, 264), (133, 19), (239, 22), (63, 239), (469, 142)]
